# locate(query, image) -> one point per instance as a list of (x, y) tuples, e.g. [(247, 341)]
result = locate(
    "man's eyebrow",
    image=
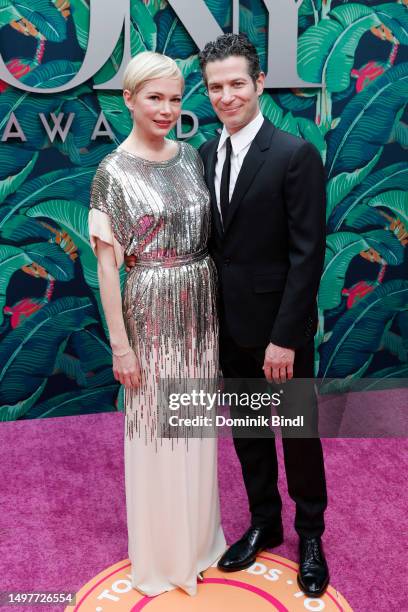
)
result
[(233, 80)]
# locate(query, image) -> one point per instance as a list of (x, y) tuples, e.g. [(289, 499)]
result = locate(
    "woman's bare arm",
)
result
[(125, 368)]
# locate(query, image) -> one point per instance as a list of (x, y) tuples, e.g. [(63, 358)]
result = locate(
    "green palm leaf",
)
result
[(387, 378), (11, 259), (86, 114), (73, 218), (310, 7), (342, 247), (367, 122), (52, 258), (116, 113), (309, 130), (40, 335), (144, 22), (13, 157), (26, 111), (358, 333), (400, 133), (74, 369), (394, 343), (92, 350), (12, 413), (341, 185), (189, 66), (86, 401), (290, 124), (200, 104), (172, 37), (80, 17), (111, 67), (73, 185), (8, 13), (271, 109), (396, 201), (297, 102), (12, 183), (327, 49), (387, 244), (52, 74), (392, 177), (71, 367), (395, 17), (18, 228), (44, 16)]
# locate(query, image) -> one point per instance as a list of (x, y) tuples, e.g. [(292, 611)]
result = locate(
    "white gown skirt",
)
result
[(173, 513)]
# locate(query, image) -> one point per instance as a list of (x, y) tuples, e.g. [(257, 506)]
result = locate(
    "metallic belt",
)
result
[(171, 261)]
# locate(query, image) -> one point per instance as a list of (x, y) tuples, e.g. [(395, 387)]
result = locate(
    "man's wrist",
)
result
[(281, 345)]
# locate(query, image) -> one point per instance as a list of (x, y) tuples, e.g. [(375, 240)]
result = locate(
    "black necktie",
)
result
[(225, 181)]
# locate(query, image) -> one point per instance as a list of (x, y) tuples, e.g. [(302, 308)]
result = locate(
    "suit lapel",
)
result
[(252, 163), (210, 179)]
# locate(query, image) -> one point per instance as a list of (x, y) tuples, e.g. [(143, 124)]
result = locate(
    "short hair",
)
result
[(147, 66), (228, 45)]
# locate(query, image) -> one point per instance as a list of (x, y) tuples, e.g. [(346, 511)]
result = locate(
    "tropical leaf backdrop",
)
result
[(55, 357)]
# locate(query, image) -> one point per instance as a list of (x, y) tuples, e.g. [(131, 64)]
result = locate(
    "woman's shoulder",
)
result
[(109, 173), (107, 180), (191, 153), (188, 148), (109, 163)]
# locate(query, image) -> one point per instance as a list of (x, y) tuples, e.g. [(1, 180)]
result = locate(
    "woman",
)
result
[(149, 199)]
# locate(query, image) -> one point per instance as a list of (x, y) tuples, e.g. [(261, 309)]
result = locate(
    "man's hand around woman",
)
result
[(130, 261)]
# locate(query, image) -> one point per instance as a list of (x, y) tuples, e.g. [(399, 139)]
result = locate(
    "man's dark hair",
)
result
[(228, 45)]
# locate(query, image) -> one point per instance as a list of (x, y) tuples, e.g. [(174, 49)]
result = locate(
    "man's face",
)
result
[(233, 94)]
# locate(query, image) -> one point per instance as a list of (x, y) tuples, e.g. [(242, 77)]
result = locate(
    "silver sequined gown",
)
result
[(159, 211)]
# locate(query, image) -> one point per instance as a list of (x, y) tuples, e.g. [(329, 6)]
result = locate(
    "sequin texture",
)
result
[(160, 212)]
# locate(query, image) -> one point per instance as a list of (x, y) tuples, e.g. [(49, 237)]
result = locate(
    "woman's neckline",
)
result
[(163, 162)]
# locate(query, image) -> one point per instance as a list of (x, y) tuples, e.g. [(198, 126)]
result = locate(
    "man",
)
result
[(268, 209)]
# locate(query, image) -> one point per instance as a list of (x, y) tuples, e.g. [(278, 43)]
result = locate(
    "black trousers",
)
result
[(303, 457)]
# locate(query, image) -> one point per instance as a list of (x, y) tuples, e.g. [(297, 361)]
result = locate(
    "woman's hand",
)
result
[(126, 370)]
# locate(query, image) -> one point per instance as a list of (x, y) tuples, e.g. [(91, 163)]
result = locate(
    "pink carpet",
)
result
[(63, 509)]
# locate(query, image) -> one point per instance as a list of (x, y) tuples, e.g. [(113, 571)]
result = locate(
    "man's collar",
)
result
[(244, 136)]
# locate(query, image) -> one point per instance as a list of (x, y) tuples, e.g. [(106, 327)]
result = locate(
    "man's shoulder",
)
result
[(290, 142), (288, 146)]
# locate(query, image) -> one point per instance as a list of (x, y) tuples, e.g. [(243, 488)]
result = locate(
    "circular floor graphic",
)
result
[(269, 584)]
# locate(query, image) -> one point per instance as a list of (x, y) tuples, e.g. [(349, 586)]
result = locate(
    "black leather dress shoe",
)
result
[(313, 576), (243, 553)]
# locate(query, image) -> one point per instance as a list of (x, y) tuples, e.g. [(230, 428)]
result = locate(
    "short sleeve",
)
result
[(107, 218), (100, 227)]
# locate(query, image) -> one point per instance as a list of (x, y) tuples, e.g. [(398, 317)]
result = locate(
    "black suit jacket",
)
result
[(270, 253)]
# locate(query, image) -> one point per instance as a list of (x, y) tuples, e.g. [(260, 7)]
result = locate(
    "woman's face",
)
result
[(156, 106)]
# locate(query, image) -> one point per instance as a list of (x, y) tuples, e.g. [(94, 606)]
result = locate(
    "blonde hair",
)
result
[(147, 66)]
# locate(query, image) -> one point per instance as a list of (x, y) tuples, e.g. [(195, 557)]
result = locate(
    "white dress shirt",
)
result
[(240, 143)]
